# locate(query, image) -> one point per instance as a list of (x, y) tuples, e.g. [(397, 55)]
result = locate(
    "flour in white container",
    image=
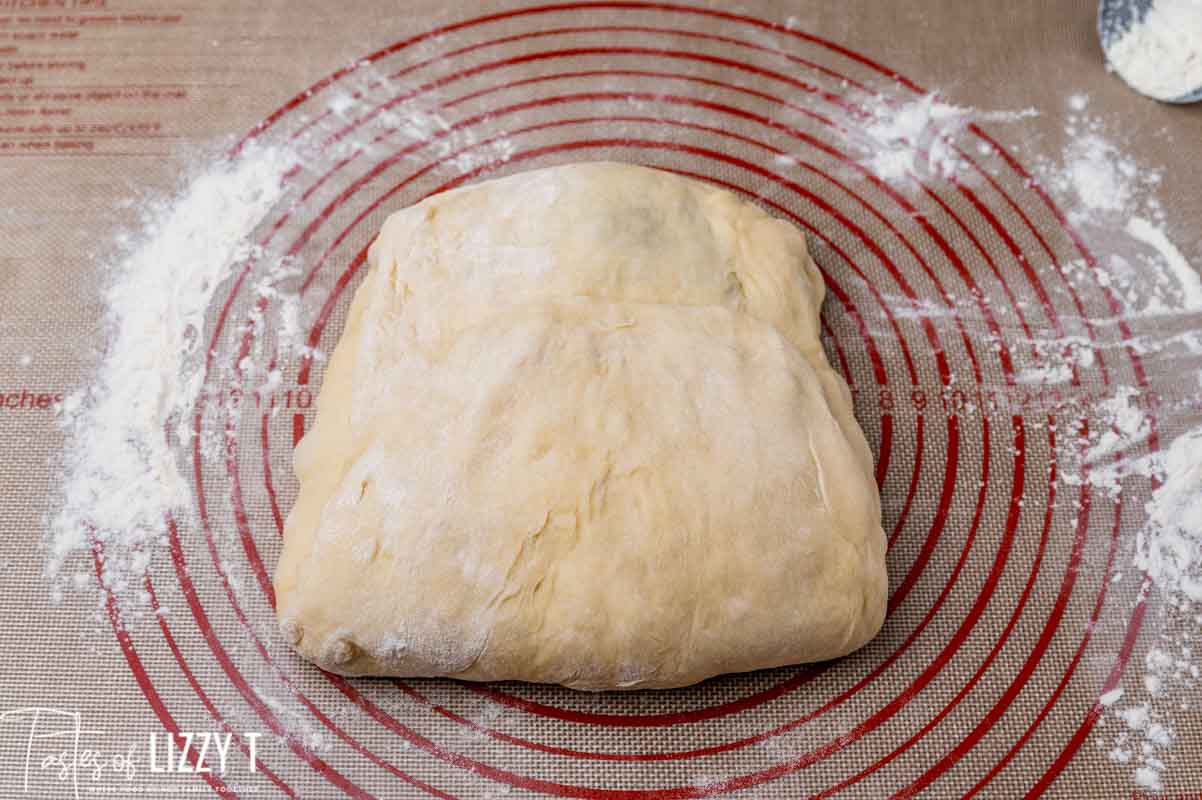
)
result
[(1161, 54)]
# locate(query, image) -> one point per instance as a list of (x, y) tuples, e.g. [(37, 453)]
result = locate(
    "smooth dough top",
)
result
[(579, 429)]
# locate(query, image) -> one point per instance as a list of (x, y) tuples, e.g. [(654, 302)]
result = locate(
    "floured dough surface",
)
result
[(579, 429)]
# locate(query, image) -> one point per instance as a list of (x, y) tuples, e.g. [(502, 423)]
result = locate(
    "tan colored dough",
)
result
[(579, 429)]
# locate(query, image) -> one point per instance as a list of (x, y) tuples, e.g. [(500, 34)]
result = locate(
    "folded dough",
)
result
[(579, 429)]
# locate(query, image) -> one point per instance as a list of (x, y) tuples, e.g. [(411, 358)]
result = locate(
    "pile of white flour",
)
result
[(121, 466), (919, 139), (1112, 198)]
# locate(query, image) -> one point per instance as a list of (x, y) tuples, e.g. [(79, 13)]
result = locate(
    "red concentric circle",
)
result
[(937, 288)]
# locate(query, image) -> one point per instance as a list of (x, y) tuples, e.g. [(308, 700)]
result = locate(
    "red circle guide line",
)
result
[(1011, 524), (145, 685), (379, 137), (199, 691), (359, 261), (619, 4), (670, 32), (239, 681), (577, 30), (303, 376), (733, 187), (1135, 621), (313, 339), (299, 99), (576, 52)]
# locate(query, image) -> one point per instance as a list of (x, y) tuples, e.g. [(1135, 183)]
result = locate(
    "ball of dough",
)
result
[(579, 429)]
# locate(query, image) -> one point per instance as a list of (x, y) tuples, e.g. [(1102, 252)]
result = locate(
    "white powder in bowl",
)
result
[(1161, 55)]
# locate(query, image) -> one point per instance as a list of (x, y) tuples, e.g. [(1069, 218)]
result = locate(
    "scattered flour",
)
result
[(1048, 374), (1186, 276), (120, 470), (1136, 717), (1148, 778), (1099, 178), (1111, 198), (1100, 174), (387, 120), (920, 138), (1169, 548), (1161, 54), (1126, 425), (120, 475)]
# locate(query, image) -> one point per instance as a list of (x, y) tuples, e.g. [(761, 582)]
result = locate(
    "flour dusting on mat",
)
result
[(1096, 176), (414, 126), (1170, 546), (1189, 283), (918, 139), (1110, 196), (121, 474), (121, 468)]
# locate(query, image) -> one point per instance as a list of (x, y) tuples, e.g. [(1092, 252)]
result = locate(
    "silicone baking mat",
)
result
[(1007, 621)]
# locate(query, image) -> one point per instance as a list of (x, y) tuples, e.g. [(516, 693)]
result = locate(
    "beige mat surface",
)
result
[(1008, 622)]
